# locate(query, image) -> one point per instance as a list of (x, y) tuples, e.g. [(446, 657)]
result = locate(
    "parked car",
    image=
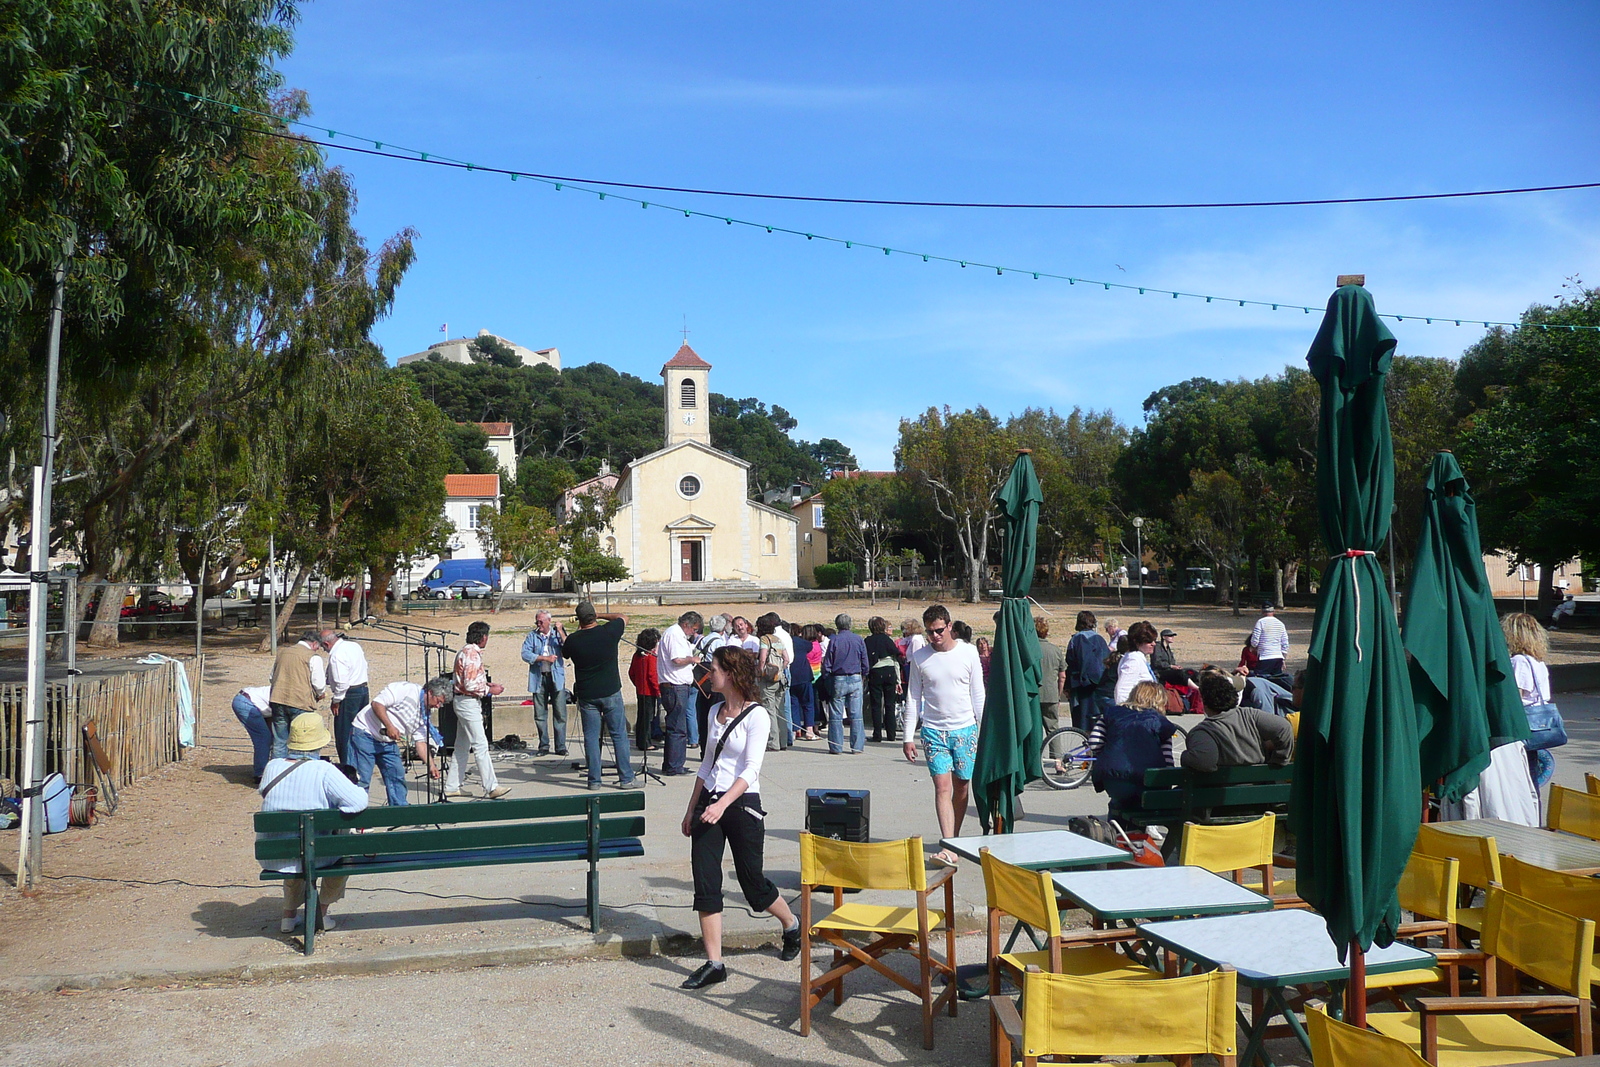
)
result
[(348, 592), (465, 589)]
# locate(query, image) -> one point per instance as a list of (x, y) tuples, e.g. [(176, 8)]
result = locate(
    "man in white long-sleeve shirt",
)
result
[(944, 707), (1270, 639)]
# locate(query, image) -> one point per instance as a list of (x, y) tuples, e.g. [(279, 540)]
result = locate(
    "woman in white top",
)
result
[(726, 807), (1506, 788), (1134, 665), (1529, 645)]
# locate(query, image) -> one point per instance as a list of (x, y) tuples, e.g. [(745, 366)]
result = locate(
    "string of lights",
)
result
[(390, 150)]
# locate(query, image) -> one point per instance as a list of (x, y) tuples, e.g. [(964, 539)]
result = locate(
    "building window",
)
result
[(769, 545), (688, 487), (472, 516), (686, 393), (816, 516)]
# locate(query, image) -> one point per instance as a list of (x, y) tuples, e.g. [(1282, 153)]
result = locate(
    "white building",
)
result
[(459, 350), (502, 445)]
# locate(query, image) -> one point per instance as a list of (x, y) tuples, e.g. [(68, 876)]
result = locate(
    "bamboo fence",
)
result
[(135, 713)]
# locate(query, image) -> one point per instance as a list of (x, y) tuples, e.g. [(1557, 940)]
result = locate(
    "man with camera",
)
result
[(542, 651), (676, 657)]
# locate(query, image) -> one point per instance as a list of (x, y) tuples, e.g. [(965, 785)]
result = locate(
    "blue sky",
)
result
[(1043, 102)]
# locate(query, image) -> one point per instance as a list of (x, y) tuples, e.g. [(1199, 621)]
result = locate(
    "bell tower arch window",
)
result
[(686, 393)]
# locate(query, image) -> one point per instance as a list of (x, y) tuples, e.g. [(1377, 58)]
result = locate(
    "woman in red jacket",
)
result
[(647, 684)]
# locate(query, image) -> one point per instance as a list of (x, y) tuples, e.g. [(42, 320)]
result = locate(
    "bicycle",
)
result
[(1075, 763)]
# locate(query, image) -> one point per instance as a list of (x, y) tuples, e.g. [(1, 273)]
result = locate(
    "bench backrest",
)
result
[(1177, 789), (451, 827)]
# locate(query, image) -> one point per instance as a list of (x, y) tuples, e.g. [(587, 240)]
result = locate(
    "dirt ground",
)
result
[(189, 821)]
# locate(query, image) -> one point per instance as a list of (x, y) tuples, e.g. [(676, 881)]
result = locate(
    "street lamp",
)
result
[(1138, 537)]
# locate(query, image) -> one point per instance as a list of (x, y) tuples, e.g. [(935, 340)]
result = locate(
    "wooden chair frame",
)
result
[(848, 956)]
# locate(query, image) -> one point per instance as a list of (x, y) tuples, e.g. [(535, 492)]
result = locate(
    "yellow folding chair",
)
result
[(1337, 1044), (1428, 890), (1030, 897), (1591, 782), (1065, 1015), (1233, 849), (1479, 858), (1534, 940), (1574, 894), (890, 865), (1575, 812)]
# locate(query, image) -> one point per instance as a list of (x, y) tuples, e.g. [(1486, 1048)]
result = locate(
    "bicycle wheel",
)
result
[(1065, 758)]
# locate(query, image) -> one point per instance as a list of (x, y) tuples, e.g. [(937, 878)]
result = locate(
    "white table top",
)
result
[(1038, 849), (1157, 893), (1274, 948)]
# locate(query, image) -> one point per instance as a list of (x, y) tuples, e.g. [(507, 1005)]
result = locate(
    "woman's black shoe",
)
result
[(708, 974), (791, 944)]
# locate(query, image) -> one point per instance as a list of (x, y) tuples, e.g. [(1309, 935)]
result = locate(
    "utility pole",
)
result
[(39, 598)]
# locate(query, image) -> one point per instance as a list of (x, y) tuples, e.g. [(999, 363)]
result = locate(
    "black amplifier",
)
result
[(842, 814)]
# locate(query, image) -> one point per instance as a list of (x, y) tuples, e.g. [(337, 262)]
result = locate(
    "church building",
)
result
[(686, 515)]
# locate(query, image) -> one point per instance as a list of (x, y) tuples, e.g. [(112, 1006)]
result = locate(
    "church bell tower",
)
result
[(685, 387)]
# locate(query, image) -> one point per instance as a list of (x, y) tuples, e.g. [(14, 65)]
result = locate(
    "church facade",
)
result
[(686, 515)]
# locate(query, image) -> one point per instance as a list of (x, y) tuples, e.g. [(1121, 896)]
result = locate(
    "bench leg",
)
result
[(594, 899), (312, 898)]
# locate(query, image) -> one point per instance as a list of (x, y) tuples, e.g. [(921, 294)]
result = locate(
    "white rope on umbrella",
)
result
[(1351, 554)]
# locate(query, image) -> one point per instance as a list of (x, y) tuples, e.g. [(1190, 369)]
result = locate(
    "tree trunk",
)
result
[(1277, 584), (1233, 583), (1255, 577), (108, 617), (1547, 591), (286, 608), (382, 579), (1291, 576)]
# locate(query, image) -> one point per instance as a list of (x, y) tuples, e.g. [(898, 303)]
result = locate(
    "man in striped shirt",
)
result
[(398, 713)]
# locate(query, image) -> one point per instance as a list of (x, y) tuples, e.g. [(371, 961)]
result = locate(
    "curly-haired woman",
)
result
[(725, 807)]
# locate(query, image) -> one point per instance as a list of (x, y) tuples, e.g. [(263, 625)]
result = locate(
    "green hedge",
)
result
[(835, 575)]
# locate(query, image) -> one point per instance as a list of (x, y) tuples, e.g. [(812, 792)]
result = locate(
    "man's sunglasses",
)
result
[(935, 633)]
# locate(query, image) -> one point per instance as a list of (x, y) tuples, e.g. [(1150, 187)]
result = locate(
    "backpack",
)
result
[(777, 667)]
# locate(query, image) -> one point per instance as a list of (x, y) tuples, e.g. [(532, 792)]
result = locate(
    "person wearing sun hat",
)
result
[(303, 781)]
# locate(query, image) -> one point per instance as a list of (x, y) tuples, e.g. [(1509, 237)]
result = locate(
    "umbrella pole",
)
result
[(1355, 992)]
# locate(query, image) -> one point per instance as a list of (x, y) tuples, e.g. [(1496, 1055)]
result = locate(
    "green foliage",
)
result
[(591, 567), (1075, 458), (960, 460), (487, 348), (541, 481), (469, 447), (520, 535), (832, 456), (150, 191), (1530, 442), (835, 575), (861, 516), (747, 429)]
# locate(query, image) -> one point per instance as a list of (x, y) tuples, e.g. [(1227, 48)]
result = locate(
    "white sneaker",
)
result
[(498, 791), (455, 794), (287, 926), (328, 923)]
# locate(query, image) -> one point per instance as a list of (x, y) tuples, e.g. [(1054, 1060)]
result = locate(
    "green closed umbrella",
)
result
[(1461, 679), (1008, 743), (1355, 803)]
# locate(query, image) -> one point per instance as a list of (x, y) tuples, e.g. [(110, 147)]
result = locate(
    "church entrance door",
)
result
[(690, 561)]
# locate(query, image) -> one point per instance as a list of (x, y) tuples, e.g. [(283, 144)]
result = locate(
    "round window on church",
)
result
[(688, 487)]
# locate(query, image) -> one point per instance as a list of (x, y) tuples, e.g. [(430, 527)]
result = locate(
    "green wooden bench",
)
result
[(1174, 796), (427, 837)]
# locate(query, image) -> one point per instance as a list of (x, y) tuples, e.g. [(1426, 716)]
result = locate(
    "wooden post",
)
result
[(1355, 991)]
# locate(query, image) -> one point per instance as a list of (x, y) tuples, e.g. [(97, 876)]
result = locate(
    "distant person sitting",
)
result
[(1128, 740), (1234, 736), (1162, 657)]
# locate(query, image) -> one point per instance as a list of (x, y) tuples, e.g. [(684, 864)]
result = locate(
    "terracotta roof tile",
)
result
[(495, 429), (687, 357), (458, 485)]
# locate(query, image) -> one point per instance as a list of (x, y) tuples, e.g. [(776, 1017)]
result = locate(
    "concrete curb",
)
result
[(968, 919)]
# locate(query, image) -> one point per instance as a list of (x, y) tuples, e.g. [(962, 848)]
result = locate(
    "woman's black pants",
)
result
[(744, 829), (880, 701)]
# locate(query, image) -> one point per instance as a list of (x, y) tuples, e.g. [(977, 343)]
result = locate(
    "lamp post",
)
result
[(1138, 538)]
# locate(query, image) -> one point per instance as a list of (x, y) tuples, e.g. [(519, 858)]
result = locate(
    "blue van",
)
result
[(437, 583)]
